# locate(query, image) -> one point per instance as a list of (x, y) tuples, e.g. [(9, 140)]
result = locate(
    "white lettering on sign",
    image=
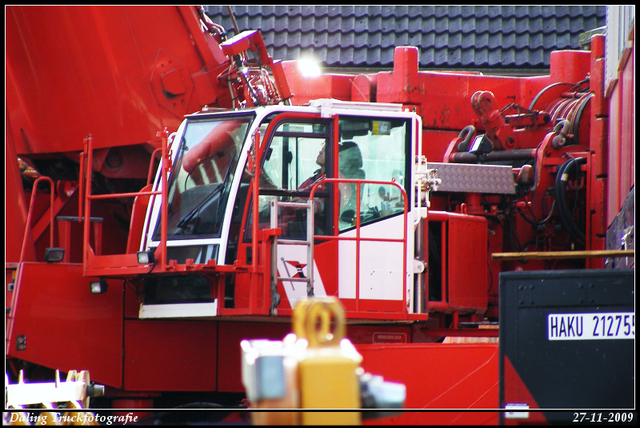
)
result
[(609, 325)]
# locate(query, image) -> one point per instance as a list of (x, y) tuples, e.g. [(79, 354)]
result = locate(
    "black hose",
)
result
[(564, 212), (566, 217)]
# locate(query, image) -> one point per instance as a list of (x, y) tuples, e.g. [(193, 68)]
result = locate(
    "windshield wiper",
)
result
[(186, 219)]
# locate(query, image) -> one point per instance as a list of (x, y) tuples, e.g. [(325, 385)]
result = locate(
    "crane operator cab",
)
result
[(346, 166)]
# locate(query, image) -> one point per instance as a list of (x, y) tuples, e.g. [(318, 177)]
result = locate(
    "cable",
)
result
[(565, 213), (490, 276)]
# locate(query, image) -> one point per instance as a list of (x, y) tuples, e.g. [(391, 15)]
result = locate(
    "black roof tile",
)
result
[(448, 36), (495, 59), (426, 57), (467, 59), (480, 58), (468, 41)]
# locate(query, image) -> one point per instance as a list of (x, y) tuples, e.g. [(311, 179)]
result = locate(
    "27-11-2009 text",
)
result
[(602, 417)]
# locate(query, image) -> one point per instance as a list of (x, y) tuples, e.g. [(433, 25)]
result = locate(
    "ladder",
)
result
[(275, 204)]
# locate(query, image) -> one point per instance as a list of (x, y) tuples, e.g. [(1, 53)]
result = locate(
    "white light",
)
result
[(145, 257), (98, 287), (309, 67)]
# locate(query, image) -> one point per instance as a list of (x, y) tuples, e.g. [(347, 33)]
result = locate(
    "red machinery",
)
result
[(457, 176)]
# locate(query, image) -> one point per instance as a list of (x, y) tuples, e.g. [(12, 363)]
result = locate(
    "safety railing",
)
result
[(358, 238), (147, 223), (27, 226), (96, 264)]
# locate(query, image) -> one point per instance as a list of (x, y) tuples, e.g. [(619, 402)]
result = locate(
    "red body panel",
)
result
[(467, 262), (232, 333), (439, 376), (66, 326), (17, 205), (163, 355), (109, 74)]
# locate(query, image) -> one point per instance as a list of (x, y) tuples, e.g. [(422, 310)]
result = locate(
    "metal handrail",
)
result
[(359, 238), (27, 225), (88, 154)]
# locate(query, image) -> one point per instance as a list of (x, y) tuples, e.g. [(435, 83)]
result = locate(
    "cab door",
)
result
[(373, 213), (297, 158), (358, 169)]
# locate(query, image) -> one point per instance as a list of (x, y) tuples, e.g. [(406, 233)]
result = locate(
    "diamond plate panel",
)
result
[(468, 178)]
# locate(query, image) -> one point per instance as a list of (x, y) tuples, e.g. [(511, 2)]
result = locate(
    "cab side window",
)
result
[(293, 162), (372, 149)]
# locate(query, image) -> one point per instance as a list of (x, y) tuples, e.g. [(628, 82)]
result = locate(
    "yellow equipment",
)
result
[(315, 367)]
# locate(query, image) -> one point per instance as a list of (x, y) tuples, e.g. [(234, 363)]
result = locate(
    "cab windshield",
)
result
[(199, 185)]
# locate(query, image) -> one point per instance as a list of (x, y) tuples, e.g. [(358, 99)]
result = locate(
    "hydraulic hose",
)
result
[(566, 217)]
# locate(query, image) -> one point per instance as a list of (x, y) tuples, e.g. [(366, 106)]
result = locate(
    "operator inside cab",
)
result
[(210, 151)]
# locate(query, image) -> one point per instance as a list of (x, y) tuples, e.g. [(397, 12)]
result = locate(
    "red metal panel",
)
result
[(404, 77), (439, 376), (569, 66), (169, 355), (530, 87), (435, 143), (597, 46), (362, 88), (140, 204), (444, 97), (621, 137), (310, 88), (325, 255), (600, 104), (613, 189), (67, 327), (132, 298), (467, 262), (599, 147), (16, 203), (598, 209), (232, 333), (96, 62), (359, 334)]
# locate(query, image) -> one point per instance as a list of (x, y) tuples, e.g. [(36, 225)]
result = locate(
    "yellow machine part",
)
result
[(314, 372), (327, 371)]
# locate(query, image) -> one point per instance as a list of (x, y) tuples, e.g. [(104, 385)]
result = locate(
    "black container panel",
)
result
[(570, 336)]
